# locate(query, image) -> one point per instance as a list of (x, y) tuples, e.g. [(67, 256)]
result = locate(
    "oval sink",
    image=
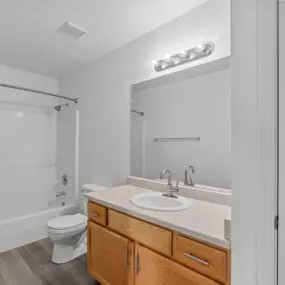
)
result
[(155, 201)]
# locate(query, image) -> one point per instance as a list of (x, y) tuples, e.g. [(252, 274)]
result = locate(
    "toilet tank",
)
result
[(88, 188)]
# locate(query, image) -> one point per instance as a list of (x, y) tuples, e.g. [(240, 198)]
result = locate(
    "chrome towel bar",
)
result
[(177, 139)]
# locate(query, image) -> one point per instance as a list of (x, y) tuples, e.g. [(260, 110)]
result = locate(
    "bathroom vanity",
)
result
[(129, 245)]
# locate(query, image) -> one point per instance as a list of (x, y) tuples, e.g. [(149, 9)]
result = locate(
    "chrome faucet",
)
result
[(162, 174), (169, 184), (187, 177), (61, 193)]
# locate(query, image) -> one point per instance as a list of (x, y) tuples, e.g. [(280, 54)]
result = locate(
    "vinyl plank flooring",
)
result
[(31, 265)]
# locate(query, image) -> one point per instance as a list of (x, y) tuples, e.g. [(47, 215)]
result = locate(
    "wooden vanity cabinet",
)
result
[(110, 256), (125, 250)]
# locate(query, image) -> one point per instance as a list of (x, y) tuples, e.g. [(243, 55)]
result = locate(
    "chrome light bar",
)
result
[(198, 52)]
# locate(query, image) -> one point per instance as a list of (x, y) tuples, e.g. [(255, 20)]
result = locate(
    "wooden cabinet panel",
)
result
[(205, 259), (112, 259), (229, 269), (97, 213), (110, 256), (152, 236), (154, 269)]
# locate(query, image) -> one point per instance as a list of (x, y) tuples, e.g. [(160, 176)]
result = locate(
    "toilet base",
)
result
[(65, 253)]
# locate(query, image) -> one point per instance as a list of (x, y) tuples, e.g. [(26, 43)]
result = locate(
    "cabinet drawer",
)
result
[(97, 213), (155, 269), (147, 234), (202, 258)]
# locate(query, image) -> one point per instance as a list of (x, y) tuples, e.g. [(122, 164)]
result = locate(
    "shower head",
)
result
[(59, 106)]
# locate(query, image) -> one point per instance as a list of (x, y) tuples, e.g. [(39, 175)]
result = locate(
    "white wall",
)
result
[(9, 75), (28, 125), (198, 106), (104, 87)]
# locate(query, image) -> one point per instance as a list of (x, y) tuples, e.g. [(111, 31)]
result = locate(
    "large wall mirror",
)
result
[(183, 119)]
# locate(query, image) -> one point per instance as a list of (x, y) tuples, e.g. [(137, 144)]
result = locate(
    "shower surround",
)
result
[(30, 160)]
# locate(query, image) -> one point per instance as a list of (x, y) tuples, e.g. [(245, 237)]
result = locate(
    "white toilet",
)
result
[(68, 233)]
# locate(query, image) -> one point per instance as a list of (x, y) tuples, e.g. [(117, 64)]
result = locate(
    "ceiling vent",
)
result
[(71, 30)]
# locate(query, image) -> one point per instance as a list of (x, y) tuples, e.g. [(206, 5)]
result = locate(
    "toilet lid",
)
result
[(66, 222), (92, 188)]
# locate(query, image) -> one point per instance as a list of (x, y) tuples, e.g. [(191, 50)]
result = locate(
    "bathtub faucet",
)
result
[(61, 193)]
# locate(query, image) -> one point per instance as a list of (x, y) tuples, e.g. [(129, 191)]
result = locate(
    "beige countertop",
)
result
[(203, 220)]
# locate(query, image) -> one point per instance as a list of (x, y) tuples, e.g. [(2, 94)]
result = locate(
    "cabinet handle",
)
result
[(137, 264), (196, 259), (126, 258), (89, 239), (93, 214)]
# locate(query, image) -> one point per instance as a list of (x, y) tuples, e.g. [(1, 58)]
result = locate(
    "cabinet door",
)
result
[(154, 269), (110, 256)]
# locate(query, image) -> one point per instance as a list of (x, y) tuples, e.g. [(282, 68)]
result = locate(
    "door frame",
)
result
[(254, 141), (281, 151)]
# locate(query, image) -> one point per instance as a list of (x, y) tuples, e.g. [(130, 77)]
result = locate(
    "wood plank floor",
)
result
[(31, 265)]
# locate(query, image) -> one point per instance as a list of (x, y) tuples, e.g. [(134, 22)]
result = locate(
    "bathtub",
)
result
[(24, 230)]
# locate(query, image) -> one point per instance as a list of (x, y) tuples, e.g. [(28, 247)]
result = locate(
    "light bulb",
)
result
[(200, 48), (163, 65), (167, 56), (183, 53), (191, 55), (176, 60)]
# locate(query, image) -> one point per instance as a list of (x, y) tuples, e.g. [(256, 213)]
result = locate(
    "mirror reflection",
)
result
[(181, 122)]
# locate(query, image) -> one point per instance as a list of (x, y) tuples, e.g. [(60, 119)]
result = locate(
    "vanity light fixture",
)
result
[(184, 56)]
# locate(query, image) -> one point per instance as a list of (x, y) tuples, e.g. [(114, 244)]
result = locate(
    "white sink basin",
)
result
[(155, 201)]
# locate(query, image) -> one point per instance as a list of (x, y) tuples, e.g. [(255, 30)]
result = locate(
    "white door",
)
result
[(281, 198)]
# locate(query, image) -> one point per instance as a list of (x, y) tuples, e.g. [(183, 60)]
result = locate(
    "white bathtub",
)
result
[(20, 231)]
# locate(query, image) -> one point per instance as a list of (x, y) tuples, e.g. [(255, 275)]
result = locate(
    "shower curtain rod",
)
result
[(136, 112), (75, 100)]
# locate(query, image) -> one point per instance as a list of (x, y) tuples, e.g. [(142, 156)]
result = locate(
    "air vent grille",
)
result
[(71, 30)]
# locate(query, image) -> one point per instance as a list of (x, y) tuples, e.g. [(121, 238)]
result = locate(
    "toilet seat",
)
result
[(73, 230), (68, 223)]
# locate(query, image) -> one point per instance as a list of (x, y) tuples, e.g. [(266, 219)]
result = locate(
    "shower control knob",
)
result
[(64, 179)]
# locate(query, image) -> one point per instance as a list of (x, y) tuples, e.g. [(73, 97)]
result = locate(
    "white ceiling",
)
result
[(28, 29)]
